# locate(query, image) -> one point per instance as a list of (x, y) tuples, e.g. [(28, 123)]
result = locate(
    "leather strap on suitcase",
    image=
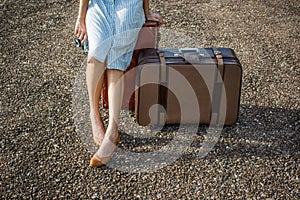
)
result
[(218, 92), (162, 91)]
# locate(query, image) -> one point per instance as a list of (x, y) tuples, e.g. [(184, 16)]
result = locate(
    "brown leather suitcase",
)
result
[(188, 86), (148, 38)]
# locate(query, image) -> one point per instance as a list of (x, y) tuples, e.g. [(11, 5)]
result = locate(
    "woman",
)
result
[(112, 27)]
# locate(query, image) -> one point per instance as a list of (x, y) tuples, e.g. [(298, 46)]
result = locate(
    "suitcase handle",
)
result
[(185, 50)]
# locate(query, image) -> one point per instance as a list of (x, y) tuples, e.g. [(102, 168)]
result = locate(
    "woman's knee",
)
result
[(94, 61)]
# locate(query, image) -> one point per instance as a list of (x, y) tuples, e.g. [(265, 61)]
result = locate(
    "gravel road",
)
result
[(43, 153)]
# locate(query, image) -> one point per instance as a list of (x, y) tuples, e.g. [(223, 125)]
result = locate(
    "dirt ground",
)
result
[(42, 153)]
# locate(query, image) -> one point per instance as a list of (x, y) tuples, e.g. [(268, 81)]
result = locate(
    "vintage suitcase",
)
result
[(148, 38), (187, 86)]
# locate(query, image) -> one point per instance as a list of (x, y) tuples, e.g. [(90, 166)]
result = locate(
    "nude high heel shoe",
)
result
[(102, 158)]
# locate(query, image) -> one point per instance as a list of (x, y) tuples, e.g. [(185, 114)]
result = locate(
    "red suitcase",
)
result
[(198, 85), (148, 38)]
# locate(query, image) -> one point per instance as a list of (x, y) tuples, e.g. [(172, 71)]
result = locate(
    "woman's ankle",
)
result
[(112, 132), (97, 123), (112, 125)]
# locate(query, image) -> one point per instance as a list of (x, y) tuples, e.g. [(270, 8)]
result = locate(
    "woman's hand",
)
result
[(80, 30), (154, 17)]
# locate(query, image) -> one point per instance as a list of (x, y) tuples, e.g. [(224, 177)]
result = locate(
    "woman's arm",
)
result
[(149, 15), (83, 5), (80, 28)]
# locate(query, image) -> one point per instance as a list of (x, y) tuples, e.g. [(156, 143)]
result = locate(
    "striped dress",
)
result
[(112, 28)]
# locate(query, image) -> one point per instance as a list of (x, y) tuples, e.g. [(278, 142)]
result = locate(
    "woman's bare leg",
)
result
[(115, 98), (94, 80)]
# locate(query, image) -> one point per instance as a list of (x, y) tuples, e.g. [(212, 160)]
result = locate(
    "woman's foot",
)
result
[(107, 148), (97, 129), (96, 161)]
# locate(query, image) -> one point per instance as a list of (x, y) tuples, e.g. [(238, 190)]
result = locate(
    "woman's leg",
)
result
[(94, 80), (115, 82), (115, 98)]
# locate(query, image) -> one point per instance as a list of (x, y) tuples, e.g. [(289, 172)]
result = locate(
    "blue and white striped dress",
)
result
[(112, 28)]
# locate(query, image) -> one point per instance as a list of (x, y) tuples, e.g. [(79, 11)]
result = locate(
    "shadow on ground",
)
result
[(259, 131)]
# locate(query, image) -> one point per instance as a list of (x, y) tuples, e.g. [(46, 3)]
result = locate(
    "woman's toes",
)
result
[(95, 162)]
